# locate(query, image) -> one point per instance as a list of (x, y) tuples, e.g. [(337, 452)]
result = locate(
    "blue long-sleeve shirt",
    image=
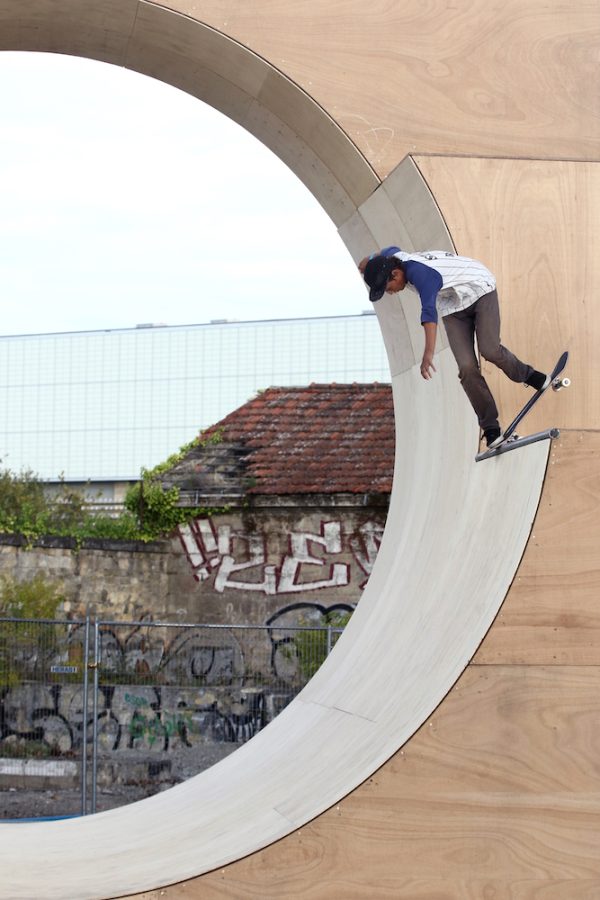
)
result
[(446, 283)]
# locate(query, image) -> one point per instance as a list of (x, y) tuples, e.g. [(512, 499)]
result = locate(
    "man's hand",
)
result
[(427, 366)]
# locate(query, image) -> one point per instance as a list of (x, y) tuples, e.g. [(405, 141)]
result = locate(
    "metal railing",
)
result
[(110, 508), (118, 710)]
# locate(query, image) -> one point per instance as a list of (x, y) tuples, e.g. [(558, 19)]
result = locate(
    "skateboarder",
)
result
[(463, 292)]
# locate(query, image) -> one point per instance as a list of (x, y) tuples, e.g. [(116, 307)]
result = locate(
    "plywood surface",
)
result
[(510, 79), (420, 619), (498, 795), (536, 225), (417, 625), (552, 613), (516, 79)]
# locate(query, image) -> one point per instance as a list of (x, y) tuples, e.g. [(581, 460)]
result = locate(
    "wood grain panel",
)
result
[(498, 796), (511, 79), (537, 226), (552, 613), (255, 94), (419, 622), (94, 30)]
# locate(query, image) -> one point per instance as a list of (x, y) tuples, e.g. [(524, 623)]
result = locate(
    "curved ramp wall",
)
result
[(443, 569), (498, 793), (435, 590)]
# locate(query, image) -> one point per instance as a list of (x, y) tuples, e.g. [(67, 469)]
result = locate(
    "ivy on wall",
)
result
[(155, 508)]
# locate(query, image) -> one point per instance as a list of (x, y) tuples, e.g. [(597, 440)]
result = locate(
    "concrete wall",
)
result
[(240, 568)]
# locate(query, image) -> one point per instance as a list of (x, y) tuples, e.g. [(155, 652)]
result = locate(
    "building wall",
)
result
[(284, 565), (99, 405)]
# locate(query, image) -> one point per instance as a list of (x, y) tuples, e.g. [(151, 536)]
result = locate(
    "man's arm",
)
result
[(428, 282)]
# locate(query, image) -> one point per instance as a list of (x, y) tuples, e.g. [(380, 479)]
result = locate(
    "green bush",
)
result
[(36, 598), (27, 509), (26, 646), (311, 646), (150, 512), (23, 503), (156, 509)]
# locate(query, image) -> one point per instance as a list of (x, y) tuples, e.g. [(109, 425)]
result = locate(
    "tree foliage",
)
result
[(151, 511), (25, 645), (27, 508), (33, 598), (311, 647), (22, 501)]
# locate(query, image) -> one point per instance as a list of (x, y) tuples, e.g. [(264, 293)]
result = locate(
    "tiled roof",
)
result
[(324, 438)]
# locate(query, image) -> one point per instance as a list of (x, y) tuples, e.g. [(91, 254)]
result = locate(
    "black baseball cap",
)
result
[(377, 274)]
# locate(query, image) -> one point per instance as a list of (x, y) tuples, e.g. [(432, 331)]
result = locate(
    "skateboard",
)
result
[(510, 440)]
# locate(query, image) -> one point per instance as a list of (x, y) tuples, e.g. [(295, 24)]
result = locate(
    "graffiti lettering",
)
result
[(228, 553), (331, 541), (365, 547)]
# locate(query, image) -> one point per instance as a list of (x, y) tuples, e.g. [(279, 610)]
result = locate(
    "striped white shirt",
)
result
[(445, 282)]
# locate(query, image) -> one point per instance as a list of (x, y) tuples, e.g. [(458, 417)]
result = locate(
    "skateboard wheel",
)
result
[(561, 383)]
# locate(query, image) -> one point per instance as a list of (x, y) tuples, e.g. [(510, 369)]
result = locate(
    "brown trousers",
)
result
[(482, 321)]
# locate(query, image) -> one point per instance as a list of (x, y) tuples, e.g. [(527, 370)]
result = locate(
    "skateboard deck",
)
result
[(510, 441)]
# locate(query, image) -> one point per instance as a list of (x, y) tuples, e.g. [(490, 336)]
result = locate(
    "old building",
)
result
[(305, 475), (295, 484)]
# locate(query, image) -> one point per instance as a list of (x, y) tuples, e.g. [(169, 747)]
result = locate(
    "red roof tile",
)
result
[(324, 438)]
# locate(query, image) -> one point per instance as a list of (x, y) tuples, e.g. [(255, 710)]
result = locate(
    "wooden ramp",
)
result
[(437, 585), (490, 785)]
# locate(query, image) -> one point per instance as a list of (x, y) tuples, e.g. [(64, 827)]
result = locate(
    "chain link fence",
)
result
[(94, 714), (44, 707)]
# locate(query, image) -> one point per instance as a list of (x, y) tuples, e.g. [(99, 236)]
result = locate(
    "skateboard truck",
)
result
[(514, 442)]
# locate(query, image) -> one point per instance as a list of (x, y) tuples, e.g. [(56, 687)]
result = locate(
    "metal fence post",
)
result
[(96, 664), (176, 696), (84, 729)]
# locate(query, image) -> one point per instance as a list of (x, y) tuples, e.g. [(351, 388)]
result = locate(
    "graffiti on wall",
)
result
[(364, 544), (238, 560), (286, 650), (128, 717), (175, 655), (163, 688)]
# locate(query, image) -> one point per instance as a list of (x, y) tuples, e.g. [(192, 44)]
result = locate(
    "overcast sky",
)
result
[(119, 194)]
